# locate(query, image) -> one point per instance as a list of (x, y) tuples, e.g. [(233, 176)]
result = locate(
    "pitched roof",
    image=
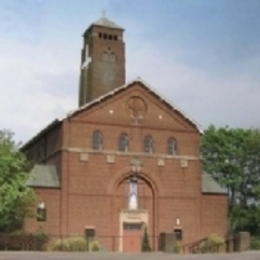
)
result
[(42, 131), (104, 22), (209, 185), (44, 176), (147, 87), (112, 93)]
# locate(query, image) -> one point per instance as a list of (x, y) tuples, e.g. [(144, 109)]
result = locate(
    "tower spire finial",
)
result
[(103, 13)]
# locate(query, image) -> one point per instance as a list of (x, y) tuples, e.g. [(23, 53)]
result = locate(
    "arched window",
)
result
[(148, 144), (123, 143), (171, 146), (97, 141)]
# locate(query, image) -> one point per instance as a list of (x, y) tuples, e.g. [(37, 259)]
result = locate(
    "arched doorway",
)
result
[(132, 221)]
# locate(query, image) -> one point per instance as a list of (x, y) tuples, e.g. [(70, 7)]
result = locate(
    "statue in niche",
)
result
[(133, 194), (133, 202)]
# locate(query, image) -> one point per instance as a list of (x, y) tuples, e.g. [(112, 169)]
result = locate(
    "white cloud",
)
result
[(40, 83), (27, 103), (233, 99)]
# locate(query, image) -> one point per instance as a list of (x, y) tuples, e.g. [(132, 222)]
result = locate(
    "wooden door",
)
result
[(132, 237)]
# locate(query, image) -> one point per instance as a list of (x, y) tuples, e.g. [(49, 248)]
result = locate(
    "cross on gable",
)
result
[(103, 13)]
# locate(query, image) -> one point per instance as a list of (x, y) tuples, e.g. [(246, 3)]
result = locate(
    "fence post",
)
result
[(243, 240)]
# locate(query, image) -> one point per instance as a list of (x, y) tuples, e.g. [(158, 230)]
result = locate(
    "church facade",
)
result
[(124, 161)]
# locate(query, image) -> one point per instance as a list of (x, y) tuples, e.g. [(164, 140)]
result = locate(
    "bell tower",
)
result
[(102, 66)]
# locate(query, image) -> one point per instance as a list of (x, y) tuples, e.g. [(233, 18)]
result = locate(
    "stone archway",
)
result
[(144, 215)]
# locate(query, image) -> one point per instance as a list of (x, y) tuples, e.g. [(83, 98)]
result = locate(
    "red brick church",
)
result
[(125, 159)]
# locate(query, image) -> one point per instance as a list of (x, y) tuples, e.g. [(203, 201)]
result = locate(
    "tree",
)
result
[(232, 157), (15, 197), (145, 242)]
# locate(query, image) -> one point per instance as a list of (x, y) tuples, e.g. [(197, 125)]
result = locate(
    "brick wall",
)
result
[(214, 210), (95, 183), (176, 191), (51, 198)]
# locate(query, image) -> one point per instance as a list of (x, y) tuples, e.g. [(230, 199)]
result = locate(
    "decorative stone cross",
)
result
[(136, 107)]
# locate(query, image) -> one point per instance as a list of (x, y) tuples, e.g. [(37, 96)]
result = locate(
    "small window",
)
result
[(97, 141), (132, 226), (105, 36), (178, 234), (110, 37), (171, 146), (100, 35), (148, 144), (123, 143), (41, 212), (115, 37)]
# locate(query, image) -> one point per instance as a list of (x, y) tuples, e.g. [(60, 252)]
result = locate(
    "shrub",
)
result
[(41, 235), (255, 243), (145, 243), (68, 244), (177, 247), (55, 245), (212, 243), (94, 246), (73, 244)]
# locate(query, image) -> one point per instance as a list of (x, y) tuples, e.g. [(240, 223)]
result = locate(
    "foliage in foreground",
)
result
[(232, 157), (15, 196), (212, 243), (145, 242), (73, 244), (255, 243)]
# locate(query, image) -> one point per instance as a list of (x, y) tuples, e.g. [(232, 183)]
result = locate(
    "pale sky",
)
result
[(204, 56)]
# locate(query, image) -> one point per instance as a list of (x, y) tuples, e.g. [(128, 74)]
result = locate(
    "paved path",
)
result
[(252, 255)]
